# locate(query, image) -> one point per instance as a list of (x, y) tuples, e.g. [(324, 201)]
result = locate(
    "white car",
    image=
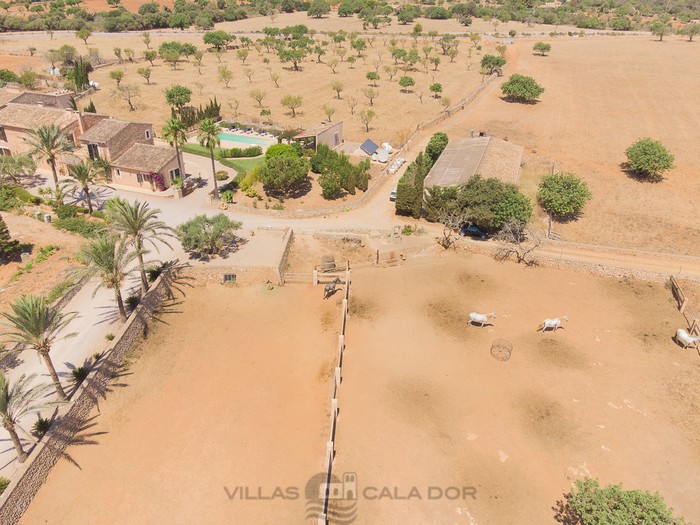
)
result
[(392, 196)]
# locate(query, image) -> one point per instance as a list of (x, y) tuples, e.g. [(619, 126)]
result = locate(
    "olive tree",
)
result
[(563, 195), (521, 88), (649, 158)]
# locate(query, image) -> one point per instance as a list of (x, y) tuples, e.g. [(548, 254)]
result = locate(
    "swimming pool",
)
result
[(246, 139)]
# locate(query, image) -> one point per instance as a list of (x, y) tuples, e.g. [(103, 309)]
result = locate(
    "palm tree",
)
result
[(109, 258), (140, 224), (49, 142), (85, 173), (208, 137), (175, 133), (37, 324), (16, 401)]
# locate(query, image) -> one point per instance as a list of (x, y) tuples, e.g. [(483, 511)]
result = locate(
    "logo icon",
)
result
[(341, 496)]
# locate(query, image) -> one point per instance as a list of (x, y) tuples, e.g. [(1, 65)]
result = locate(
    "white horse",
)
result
[(684, 339), (552, 324), (480, 319)]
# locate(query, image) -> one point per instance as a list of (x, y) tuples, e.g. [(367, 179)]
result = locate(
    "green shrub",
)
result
[(25, 196), (330, 185), (280, 149), (80, 226), (649, 158), (41, 426), (234, 153), (66, 212), (226, 196), (251, 178), (45, 252), (109, 336), (221, 175), (97, 214), (79, 374), (4, 482), (8, 199), (132, 302)]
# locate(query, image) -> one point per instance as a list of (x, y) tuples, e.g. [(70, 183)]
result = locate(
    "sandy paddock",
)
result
[(232, 391), (424, 404)]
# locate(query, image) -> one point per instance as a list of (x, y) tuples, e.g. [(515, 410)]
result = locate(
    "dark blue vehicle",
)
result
[(472, 230)]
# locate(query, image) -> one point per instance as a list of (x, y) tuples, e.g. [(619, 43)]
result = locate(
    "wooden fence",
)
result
[(684, 307)]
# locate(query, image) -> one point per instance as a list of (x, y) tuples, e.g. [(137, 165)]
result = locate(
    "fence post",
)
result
[(315, 277), (337, 375), (683, 305)]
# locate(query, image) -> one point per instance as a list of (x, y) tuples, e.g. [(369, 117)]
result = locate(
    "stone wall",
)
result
[(70, 417)]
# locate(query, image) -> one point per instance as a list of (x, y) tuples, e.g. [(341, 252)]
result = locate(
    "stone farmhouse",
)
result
[(137, 162)]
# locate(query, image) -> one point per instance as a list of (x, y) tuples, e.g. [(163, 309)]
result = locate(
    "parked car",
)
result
[(392, 196), (472, 230)]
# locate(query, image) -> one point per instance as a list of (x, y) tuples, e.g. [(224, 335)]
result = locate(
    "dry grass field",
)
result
[(602, 94), (424, 404), (216, 398)]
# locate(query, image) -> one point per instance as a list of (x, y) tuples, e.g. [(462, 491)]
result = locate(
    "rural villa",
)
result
[(137, 162)]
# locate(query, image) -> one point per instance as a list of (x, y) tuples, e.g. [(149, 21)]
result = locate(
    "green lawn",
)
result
[(242, 166)]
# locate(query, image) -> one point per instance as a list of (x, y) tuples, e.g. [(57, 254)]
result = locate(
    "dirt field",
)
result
[(602, 94), (43, 276), (423, 404), (210, 403)]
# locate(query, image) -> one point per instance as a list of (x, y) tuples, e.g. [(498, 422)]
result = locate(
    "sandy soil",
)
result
[(602, 94), (424, 404), (208, 404), (45, 275)]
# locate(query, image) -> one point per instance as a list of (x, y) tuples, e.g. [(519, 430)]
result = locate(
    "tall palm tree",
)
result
[(36, 324), (49, 142), (140, 224), (175, 133), (108, 257), (16, 401), (85, 173), (208, 137)]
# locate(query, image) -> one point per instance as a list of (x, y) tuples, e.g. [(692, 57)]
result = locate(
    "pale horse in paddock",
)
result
[(480, 319), (552, 324), (684, 339), (329, 289)]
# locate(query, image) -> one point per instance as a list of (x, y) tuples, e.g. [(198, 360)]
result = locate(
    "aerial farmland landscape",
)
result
[(349, 262)]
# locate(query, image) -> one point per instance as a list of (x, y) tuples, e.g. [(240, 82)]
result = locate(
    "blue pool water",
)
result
[(246, 139)]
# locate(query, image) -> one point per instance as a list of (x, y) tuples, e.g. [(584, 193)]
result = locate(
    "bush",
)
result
[(226, 196), (251, 178), (252, 151), (8, 199), (280, 149), (109, 336), (66, 212), (25, 196), (649, 158), (132, 302), (8, 76), (593, 505), (520, 88), (436, 145), (221, 175), (210, 235), (79, 374), (563, 195), (4, 482), (79, 225), (59, 290), (284, 171), (41, 426), (330, 185)]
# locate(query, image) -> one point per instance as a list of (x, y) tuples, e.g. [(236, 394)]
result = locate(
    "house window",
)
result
[(4, 152), (174, 174), (148, 133), (3, 135), (139, 178), (93, 151)]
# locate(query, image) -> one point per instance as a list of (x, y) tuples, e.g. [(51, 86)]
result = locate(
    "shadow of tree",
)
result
[(640, 177), (300, 189), (563, 513), (69, 436)]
